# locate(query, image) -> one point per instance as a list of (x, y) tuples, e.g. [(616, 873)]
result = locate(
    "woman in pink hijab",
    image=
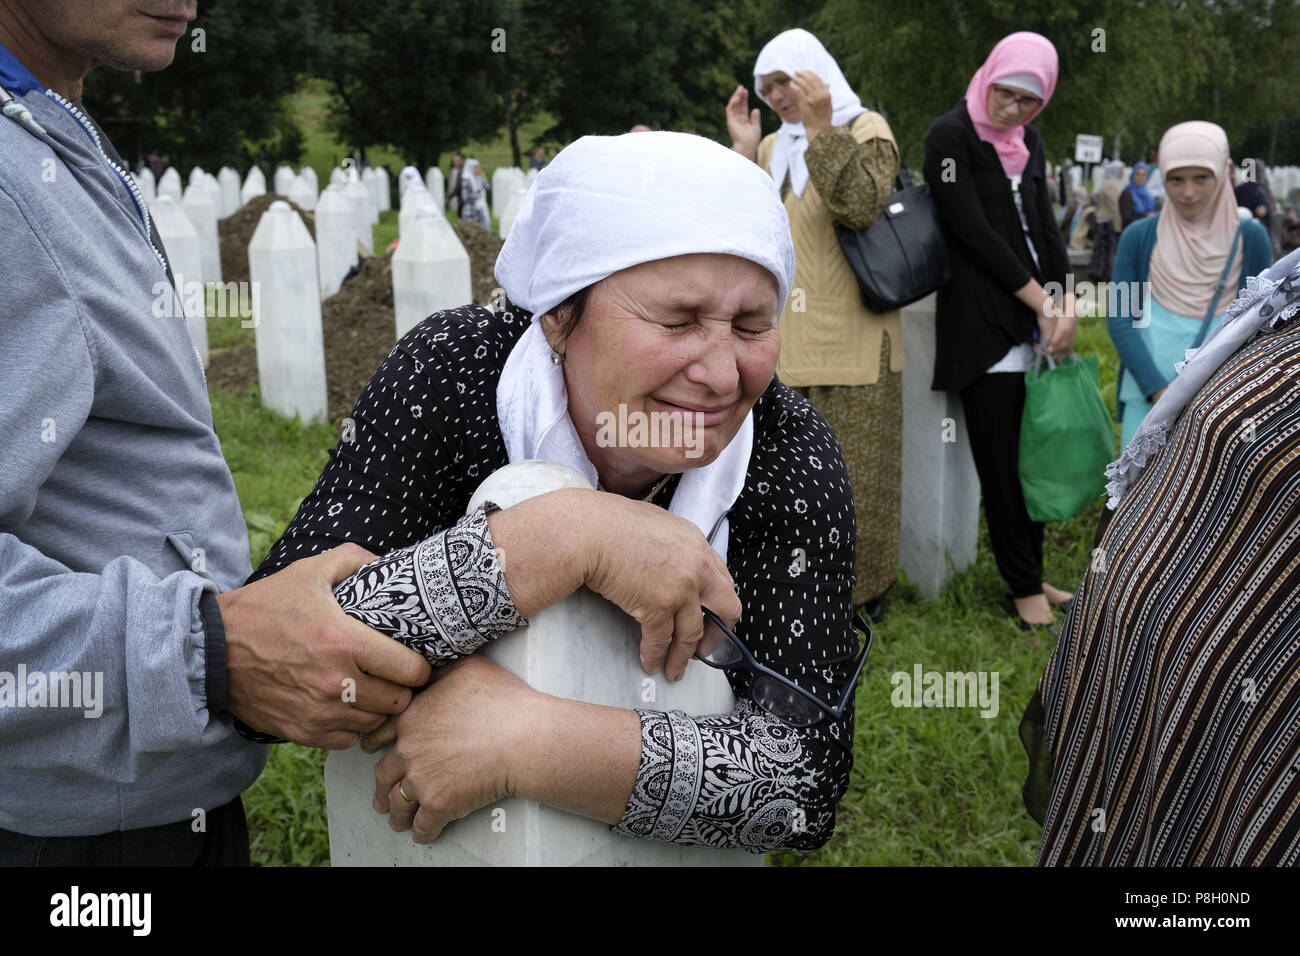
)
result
[(985, 168), (1191, 259)]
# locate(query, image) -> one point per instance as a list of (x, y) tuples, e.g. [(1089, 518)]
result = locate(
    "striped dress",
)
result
[(1166, 728)]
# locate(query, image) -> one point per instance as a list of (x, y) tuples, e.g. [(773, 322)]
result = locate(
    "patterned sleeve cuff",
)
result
[(741, 780), (665, 787), (445, 597)]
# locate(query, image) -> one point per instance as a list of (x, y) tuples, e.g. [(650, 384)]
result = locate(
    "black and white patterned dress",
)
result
[(426, 434)]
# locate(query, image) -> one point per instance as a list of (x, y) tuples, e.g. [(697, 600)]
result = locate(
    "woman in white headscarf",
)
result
[(473, 194), (835, 161), (644, 276), (408, 177)]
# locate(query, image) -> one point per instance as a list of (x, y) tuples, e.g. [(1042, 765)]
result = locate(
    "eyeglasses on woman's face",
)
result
[(772, 83), (778, 695), (1009, 99)]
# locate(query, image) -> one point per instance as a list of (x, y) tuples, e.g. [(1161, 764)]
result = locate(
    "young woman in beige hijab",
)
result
[(1191, 258)]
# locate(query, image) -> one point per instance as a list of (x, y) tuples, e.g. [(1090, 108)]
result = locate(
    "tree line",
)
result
[(426, 76)]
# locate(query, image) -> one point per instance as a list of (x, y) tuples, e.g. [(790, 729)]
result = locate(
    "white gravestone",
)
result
[(407, 189), (382, 189), (510, 213), (230, 201), (941, 491), (169, 184), (286, 313), (338, 177), (416, 201), (430, 271), (512, 182), (186, 256), (371, 182), (202, 211), (197, 175), (283, 179), (336, 239), (359, 196), (582, 648), (301, 193), (254, 186), (436, 184), (145, 181), (502, 189), (214, 190), (308, 175)]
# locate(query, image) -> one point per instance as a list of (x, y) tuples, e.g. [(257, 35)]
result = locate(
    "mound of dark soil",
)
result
[(235, 232)]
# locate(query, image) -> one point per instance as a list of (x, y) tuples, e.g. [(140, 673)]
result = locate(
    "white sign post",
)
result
[(1087, 150)]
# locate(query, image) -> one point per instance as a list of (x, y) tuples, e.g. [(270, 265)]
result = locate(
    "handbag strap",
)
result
[(1218, 292)]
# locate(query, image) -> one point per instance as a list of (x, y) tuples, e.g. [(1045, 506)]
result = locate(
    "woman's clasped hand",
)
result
[(661, 575)]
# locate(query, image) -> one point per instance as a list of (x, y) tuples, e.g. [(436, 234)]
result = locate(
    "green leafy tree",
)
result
[(601, 67), (720, 43), (1129, 68), (419, 75), (221, 100), (1251, 91)]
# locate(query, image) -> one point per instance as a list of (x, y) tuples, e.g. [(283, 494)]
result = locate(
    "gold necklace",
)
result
[(658, 486)]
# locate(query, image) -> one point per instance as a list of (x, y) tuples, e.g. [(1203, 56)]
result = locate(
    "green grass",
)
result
[(286, 809), (274, 460), (310, 105)]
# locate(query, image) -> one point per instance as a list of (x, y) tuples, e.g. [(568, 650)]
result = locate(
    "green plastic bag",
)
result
[(1066, 439)]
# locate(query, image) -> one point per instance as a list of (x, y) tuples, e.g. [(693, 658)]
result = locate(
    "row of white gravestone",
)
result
[(230, 192), (345, 217), (1282, 180), (431, 272)]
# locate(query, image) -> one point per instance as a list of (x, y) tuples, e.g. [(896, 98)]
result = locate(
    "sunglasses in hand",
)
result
[(778, 695)]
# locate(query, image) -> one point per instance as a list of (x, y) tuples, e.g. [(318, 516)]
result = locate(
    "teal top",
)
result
[(1132, 264), (1166, 336)]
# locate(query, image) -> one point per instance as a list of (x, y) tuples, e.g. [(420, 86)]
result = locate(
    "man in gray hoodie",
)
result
[(127, 646)]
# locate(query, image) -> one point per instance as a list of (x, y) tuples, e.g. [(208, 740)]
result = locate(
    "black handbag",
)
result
[(902, 256)]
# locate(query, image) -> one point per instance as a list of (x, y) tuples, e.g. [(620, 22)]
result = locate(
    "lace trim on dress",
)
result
[(1264, 302)]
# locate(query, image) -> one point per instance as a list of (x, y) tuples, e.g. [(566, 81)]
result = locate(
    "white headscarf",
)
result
[(409, 176), (604, 204), (788, 53)]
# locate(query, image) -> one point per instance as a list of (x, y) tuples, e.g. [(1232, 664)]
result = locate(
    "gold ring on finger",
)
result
[(403, 793)]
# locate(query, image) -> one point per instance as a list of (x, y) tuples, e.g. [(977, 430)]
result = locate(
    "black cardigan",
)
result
[(978, 316)]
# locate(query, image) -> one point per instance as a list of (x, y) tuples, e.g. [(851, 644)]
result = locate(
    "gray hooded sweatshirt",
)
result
[(117, 511)]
